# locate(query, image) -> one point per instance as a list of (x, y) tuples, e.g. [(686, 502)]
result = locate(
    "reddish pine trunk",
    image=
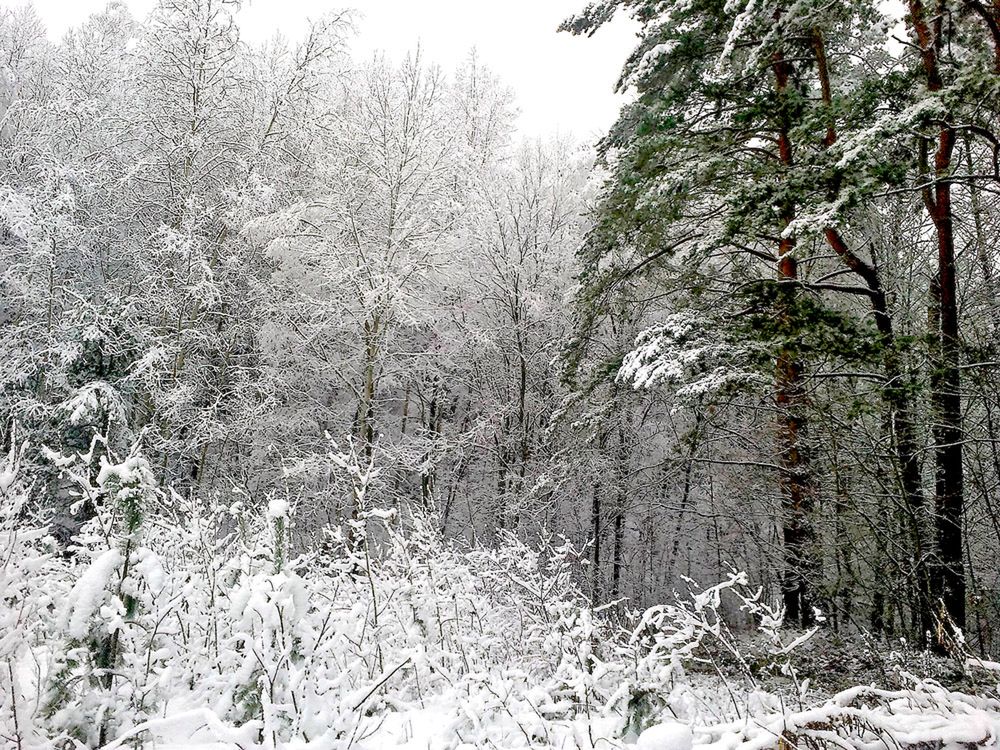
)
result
[(949, 579), (796, 481)]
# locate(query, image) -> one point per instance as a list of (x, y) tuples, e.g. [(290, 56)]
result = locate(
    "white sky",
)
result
[(562, 83)]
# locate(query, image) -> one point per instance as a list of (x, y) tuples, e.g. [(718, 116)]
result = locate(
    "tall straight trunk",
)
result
[(428, 474), (948, 528), (621, 500), (949, 575), (618, 551), (595, 528), (948, 398), (796, 480), (685, 489)]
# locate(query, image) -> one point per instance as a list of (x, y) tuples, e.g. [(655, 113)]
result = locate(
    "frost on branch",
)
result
[(686, 354)]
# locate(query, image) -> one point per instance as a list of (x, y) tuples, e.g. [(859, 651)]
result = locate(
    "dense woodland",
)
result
[(325, 392)]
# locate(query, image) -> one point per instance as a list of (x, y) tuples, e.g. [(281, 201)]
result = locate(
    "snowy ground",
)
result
[(196, 630)]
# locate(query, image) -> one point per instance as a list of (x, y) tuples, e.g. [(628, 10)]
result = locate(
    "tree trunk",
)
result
[(950, 484), (948, 580), (622, 473), (796, 481), (595, 528)]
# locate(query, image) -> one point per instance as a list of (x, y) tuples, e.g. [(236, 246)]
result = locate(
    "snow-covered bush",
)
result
[(271, 648), (109, 659), (190, 620), (25, 559)]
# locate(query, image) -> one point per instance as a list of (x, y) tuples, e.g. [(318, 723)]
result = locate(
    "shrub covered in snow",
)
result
[(28, 587), (180, 621), (109, 652)]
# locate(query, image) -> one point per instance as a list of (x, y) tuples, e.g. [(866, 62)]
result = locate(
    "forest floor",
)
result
[(190, 634)]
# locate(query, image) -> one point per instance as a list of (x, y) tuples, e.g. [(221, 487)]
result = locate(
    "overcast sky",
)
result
[(563, 83)]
